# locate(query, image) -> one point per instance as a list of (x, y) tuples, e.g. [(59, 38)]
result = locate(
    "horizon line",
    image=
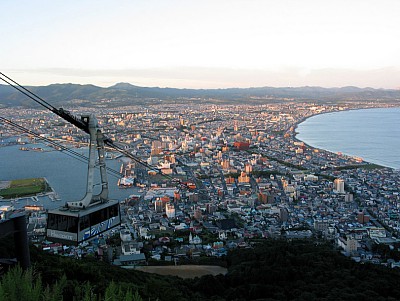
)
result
[(207, 78), (222, 88)]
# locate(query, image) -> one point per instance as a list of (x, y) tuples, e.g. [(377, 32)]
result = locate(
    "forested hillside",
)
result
[(271, 270)]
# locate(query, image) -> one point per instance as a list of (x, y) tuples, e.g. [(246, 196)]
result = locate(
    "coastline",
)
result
[(34, 199), (295, 133)]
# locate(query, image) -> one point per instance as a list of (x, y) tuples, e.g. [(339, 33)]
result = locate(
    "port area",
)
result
[(23, 187)]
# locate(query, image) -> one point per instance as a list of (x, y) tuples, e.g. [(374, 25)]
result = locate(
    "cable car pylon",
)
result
[(96, 143), (94, 214)]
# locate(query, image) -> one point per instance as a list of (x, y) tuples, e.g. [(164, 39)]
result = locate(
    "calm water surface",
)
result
[(372, 134), (66, 175)]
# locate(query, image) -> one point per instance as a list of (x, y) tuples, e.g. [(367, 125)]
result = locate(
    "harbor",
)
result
[(61, 173), (37, 200)]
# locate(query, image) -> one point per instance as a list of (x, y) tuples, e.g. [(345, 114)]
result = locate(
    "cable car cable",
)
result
[(78, 156), (66, 115), (27, 92), (68, 151), (48, 106)]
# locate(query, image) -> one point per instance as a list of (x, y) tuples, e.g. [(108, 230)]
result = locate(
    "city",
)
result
[(243, 175), (200, 150)]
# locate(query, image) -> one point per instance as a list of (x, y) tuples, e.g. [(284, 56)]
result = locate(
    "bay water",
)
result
[(66, 175), (372, 134)]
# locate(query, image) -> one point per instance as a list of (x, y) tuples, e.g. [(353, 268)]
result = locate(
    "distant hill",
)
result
[(123, 94)]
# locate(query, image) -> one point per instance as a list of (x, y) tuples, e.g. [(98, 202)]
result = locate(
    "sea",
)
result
[(65, 174), (372, 134)]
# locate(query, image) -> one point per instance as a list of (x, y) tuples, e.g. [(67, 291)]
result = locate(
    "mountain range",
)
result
[(123, 94)]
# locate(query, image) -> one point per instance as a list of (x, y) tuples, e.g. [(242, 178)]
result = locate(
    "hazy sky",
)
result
[(202, 43)]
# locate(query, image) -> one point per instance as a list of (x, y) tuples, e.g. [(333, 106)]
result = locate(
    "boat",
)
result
[(126, 182), (109, 156), (37, 149), (33, 207)]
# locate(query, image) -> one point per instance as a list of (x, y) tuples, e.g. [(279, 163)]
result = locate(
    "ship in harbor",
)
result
[(126, 182), (35, 149)]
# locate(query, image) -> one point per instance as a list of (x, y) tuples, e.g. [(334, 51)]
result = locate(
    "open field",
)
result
[(184, 271), (24, 187)]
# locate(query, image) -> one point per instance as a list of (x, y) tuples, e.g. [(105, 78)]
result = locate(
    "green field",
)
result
[(24, 187)]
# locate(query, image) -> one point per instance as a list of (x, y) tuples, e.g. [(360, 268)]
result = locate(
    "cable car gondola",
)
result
[(81, 220), (73, 226), (94, 214)]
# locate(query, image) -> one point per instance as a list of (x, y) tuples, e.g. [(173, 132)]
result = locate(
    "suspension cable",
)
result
[(69, 151), (78, 123), (27, 92)]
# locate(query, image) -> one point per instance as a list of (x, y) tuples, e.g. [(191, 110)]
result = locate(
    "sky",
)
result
[(202, 43)]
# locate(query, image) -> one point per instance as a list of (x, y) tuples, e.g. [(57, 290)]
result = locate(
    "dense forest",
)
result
[(270, 270)]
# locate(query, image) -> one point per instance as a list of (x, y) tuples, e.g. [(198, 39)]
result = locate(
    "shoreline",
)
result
[(295, 133), (36, 198)]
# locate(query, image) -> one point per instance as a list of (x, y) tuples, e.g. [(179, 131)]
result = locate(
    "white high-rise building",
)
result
[(170, 210), (338, 186)]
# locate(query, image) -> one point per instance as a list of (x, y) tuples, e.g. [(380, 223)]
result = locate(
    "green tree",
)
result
[(27, 285)]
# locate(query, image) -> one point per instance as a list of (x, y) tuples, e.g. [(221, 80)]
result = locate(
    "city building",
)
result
[(338, 186)]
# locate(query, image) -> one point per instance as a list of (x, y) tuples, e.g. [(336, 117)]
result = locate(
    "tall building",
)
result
[(170, 210), (177, 196), (348, 197), (248, 168), (362, 218), (338, 186), (156, 147), (211, 208), (158, 206), (225, 164), (229, 180), (351, 246), (243, 178)]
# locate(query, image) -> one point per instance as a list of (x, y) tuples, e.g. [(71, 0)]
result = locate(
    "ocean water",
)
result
[(372, 134)]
